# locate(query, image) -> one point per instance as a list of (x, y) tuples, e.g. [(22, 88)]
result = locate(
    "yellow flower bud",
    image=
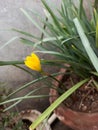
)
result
[(33, 62)]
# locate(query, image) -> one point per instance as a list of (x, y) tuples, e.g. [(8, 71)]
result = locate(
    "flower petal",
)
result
[(33, 62)]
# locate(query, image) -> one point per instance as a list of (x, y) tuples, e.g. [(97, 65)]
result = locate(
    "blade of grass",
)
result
[(32, 82), (26, 41), (95, 83), (10, 62), (22, 98), (34, 22), (25, 33), (56, 104), (86, 44), (10, 41), (61, 55), (95, 73), (49, 39), (96, 4), (80, 8), (54, 18), (97, 34), (31, 92), (19, 67)]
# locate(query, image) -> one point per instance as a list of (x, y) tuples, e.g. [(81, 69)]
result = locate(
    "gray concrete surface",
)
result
[(12, 17)]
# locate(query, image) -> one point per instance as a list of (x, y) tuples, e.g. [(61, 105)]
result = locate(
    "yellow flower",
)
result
[(33, 62)]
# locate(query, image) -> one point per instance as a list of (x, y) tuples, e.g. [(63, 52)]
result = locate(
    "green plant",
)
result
[(9, 120), (72, 38)]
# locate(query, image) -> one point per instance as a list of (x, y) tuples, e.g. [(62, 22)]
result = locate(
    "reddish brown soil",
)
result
[(85, 99)]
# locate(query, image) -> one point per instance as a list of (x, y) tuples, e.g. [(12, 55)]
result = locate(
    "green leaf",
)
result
[(97, 34), (10, 41), (31, 82), (80, 9), (25, 33), (31, 92), (56, 104), (34, 22), (94, 73), (96, 4), (54, 18), (86, 44), (22, 98), (2, 63), (95, 83), (26, 41)]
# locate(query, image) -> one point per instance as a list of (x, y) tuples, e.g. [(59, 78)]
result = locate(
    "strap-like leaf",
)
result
[(56, 104), (86, 44)]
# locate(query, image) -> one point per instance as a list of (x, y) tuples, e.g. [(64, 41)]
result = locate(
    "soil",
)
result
[(85, 99)]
